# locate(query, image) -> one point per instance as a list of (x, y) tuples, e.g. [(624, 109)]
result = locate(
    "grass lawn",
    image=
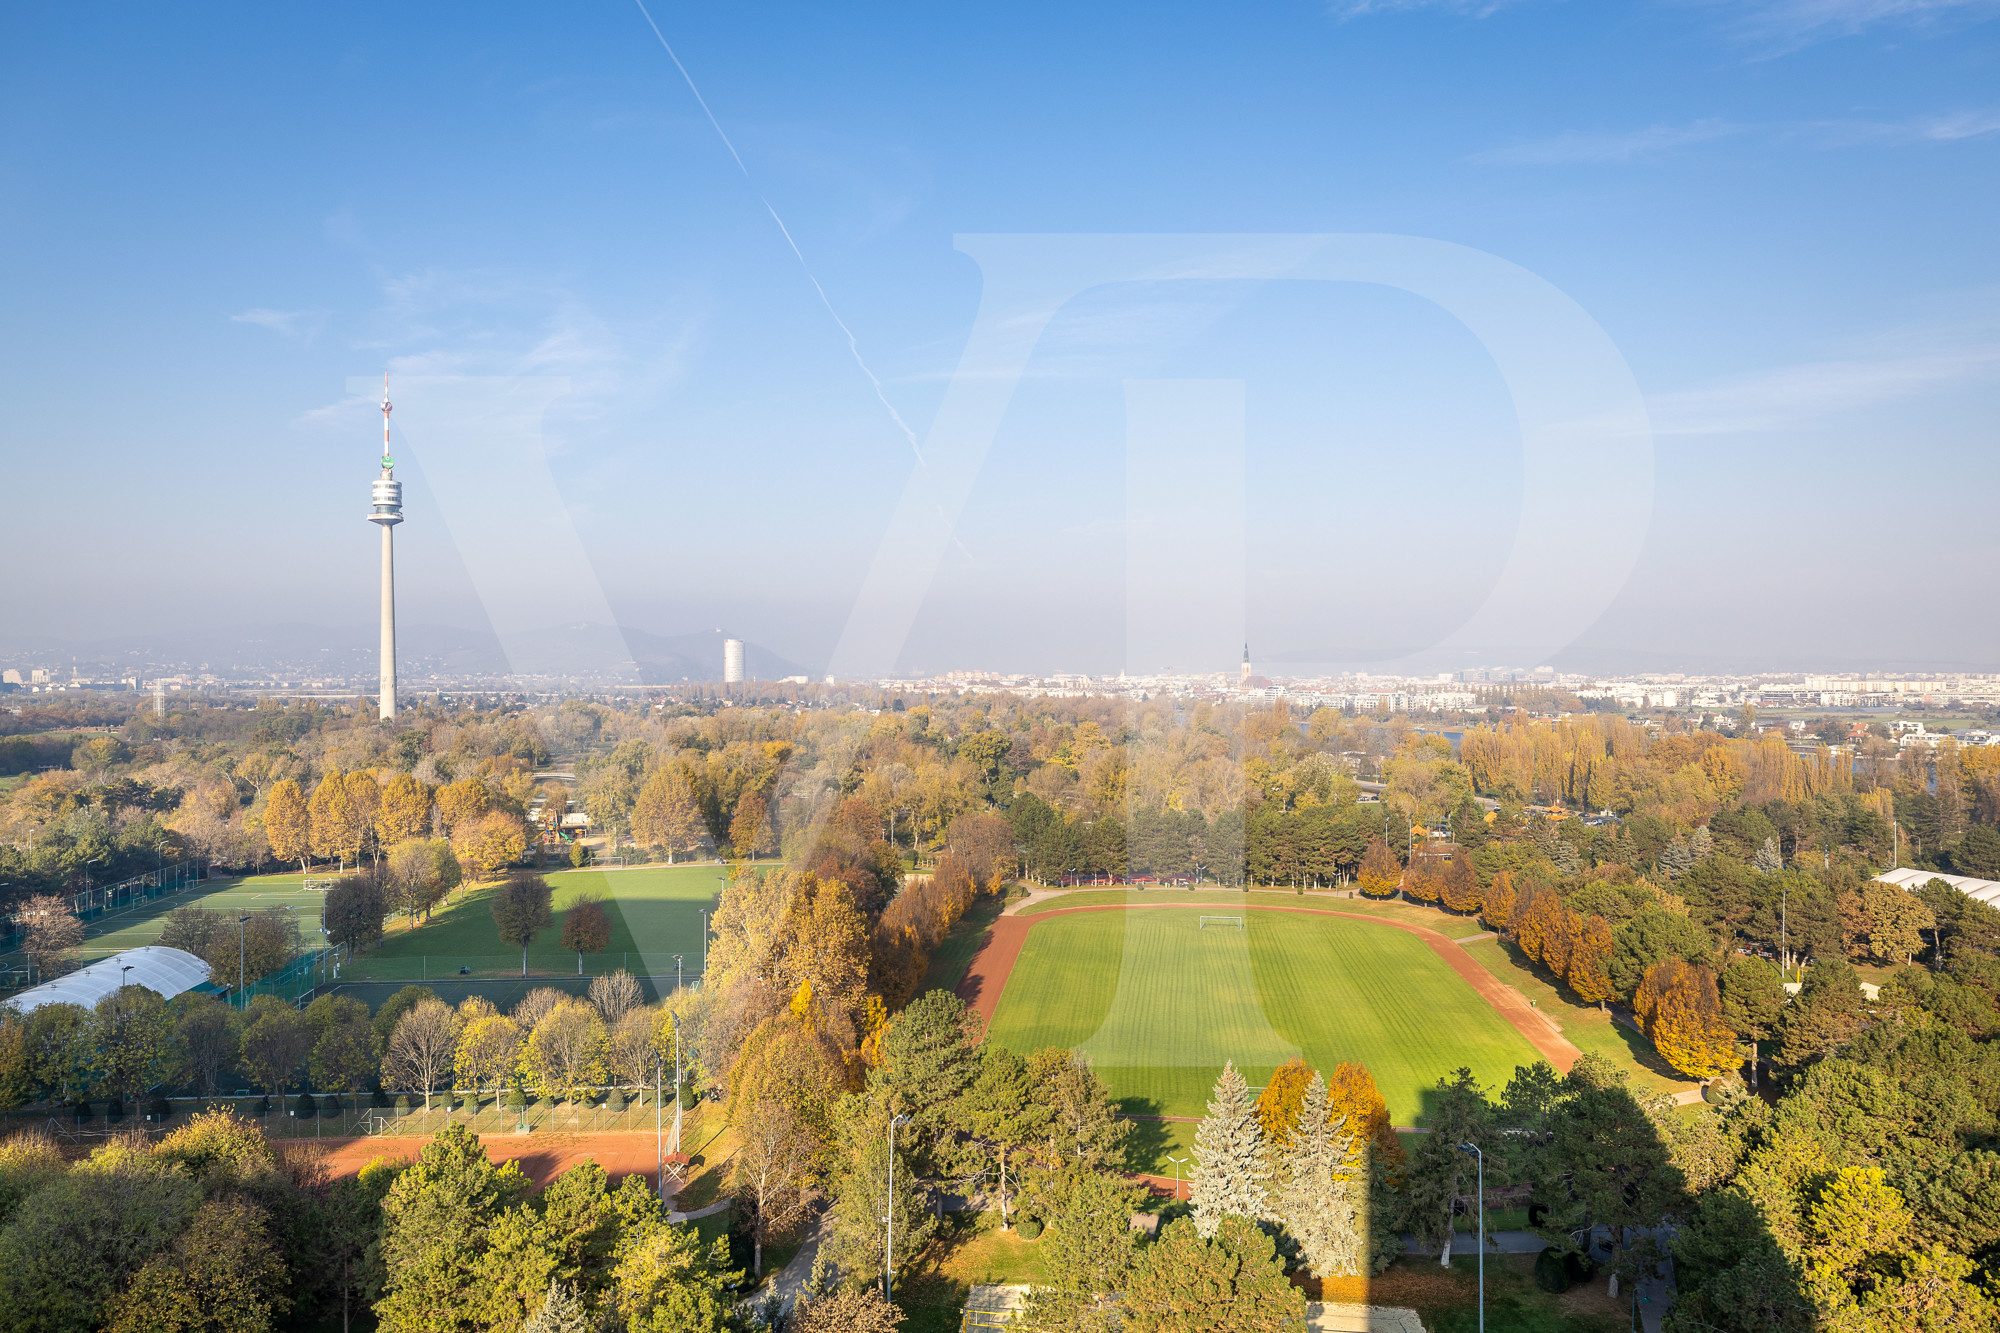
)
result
[(956, 950), (1452, 927), (1448, 1298), (655, 913), (1159, 1004), (1586, 1027), (970, 1250)]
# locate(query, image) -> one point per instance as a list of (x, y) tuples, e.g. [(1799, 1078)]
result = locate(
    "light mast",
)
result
[(388, 512)]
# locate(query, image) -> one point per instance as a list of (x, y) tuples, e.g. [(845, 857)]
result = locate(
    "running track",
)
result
[(987, 976)]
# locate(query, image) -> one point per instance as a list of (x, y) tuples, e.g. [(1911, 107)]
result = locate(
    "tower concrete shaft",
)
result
[(387, 495)]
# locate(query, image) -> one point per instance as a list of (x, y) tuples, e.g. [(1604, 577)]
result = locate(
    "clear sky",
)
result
[(1781, 212)]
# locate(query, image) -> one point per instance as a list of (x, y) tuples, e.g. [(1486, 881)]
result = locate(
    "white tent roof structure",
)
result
[(1980, 890), (154, 966)]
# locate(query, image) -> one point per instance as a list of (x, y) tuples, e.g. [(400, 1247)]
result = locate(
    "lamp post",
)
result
[(677, 974), (704, 944), (889, 1229), (1473, 1148), (1178, 1163), (659, 1130)]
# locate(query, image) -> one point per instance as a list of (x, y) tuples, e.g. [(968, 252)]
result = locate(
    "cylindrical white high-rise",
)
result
[(732, 661), (387, 495)]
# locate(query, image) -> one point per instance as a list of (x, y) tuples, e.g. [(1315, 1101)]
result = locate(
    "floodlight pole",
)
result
[(677, 974), (659, 1131), (677, 1082), (1177, 1161), (1473, 1148)]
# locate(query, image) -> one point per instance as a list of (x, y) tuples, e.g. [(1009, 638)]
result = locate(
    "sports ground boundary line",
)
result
[(991, 967)]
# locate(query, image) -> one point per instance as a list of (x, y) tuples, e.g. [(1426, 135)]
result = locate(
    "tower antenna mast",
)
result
[(387, 495)]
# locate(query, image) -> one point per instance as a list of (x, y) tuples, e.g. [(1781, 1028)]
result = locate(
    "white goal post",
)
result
[(319, 884), (1235, 921)]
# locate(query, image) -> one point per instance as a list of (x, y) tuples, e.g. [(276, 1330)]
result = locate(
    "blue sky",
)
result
[(1782, 214)]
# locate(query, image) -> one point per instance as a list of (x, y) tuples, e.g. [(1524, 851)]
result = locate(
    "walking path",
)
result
[(987, 975)]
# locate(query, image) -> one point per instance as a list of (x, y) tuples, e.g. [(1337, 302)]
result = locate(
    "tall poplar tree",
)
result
[(1229, 1172)]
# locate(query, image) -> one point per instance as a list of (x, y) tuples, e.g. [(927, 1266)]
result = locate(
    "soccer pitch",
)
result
[(655, 913), (1159, 1003)]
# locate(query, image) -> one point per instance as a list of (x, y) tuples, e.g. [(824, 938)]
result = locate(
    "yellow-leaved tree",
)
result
[(404, 812), (1380, 873), (1678, 1005), (665, 814), (288, 824)]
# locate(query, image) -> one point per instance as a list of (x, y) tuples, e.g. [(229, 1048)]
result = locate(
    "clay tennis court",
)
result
[(542, 1157), (994, 963)]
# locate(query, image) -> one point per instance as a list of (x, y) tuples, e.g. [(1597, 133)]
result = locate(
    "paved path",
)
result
[(987, 975), (789, 1281)]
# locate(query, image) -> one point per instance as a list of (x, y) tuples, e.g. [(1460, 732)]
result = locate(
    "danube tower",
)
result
[(388, 511)]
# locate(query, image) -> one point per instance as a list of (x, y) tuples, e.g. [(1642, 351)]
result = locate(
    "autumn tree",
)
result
[(491, 842), (337, 827), (771, 1174), (520, 911), (1497, 907), (1352, 1095), (1587, 976), (49, 930), (488, 1046), (222, 1274), (462, 804), (565, 1052), (353, 912), (1460, 886), (586, 929), (666, 814), (403, 812), (288, 823), (1380, 872), (1678, 1006), (750, 832), (1278, 1104)]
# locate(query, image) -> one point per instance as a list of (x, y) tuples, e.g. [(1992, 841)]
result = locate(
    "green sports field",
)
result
[(655, 913), (1158, 1004), (128, 930)]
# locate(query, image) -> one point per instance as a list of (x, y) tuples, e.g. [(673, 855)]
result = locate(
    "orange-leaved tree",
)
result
[(1497, 909), (1680, 1010), (1278, 1105), (1351, 1092), (1587, 976), (1460, 888), (1380, 872)]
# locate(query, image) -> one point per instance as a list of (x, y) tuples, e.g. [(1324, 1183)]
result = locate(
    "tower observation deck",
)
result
[(387, 497)]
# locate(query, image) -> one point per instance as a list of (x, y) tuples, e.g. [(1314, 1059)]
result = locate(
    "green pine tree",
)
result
[(1234, 1283)]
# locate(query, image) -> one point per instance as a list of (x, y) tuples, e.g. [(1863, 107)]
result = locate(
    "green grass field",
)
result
[(1159, 1004), (129, 930), (1445, 923), (655, 913)]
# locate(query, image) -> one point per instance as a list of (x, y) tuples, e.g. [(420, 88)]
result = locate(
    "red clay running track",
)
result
[(987, 976)]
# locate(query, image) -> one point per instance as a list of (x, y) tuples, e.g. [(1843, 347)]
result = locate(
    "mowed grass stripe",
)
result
[(1063, 983), (1333, 989), (1348, 990)]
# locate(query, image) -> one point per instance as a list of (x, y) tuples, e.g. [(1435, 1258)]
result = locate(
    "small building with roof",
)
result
[(169, 972)]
